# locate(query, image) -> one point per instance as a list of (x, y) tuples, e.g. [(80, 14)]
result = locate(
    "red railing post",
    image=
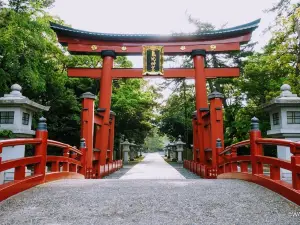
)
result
[(295, 160), (19, 173), (55, 167), (73, 167), (66, 154), (41, 149), (274, 172), (244, 167), (255, 149), (233, 155)]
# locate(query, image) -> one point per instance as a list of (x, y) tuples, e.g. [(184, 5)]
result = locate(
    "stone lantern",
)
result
[(179, 148), (16, 112), (126, 149), (284, 112)]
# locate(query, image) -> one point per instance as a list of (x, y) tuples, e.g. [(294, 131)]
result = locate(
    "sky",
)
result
[(162, 16)]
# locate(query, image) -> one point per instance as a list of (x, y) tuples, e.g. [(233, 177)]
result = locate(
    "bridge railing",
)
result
[(261, 169), (229, 158), (21, 182), (66, 166), (69, 164), (255, 167)]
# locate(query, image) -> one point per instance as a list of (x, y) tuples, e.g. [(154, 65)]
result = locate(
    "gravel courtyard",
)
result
[(139, 196)]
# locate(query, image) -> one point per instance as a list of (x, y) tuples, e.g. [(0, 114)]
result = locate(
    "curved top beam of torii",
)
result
[(85, 42)]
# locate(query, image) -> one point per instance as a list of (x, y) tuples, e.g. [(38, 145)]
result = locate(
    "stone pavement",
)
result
[(172, 200)]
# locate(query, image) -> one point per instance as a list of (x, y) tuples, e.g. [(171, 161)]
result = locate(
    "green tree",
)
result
[(133, 101), (31, 57), (154, 141), (28, 5)]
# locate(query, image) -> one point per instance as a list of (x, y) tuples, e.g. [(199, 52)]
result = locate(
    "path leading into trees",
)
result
[(166, 195), (153, 167)]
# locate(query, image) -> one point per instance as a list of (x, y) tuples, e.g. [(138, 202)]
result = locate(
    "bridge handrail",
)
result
[(228, 164), (255, 166), (19, 141), (72, 164), (63, 159), (280, 142), (20, 163), (63, 145), (236, 145)]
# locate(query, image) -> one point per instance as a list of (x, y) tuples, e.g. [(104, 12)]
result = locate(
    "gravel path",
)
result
[(153, 166), (150, 201), (147, 202)]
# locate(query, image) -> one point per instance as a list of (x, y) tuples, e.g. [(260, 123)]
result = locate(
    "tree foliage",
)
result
[(31, 56), (154, 141), (262, 74), (133, 103)]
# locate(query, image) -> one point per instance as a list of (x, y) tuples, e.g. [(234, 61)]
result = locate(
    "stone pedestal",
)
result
[(125, 157), (180, 157)]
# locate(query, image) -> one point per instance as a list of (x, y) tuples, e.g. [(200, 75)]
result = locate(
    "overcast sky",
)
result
[(157, 16)]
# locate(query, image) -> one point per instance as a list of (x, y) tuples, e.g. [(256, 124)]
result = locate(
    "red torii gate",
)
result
[(197, 45)]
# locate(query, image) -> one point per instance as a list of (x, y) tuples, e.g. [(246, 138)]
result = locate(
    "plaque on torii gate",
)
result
[(153, 47)]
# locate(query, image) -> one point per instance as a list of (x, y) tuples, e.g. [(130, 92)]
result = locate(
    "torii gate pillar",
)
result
[(105, 103), (201, 95)]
